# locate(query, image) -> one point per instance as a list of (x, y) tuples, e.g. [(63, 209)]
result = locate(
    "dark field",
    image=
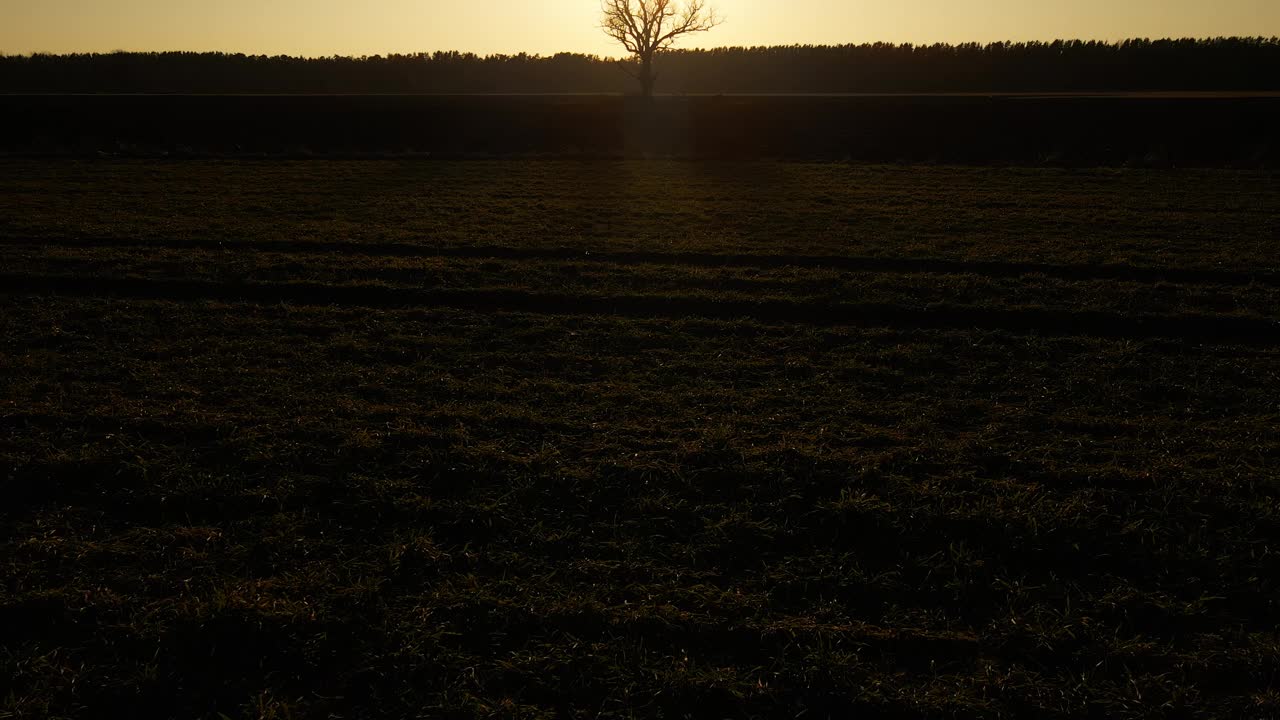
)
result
[(572, 439), (1237, 130)]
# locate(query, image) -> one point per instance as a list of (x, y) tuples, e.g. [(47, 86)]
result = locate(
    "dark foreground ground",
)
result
[(383, 439), (1159, 130)]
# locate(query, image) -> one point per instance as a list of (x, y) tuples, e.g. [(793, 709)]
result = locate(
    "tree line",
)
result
[(1059, 66)]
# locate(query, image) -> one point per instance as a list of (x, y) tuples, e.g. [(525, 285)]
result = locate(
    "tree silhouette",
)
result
[(646, 27)]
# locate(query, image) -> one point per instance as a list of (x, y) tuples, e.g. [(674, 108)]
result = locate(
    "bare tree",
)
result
[(646, 27)]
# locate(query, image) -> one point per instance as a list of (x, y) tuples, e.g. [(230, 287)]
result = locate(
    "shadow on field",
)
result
[(1151, 131)]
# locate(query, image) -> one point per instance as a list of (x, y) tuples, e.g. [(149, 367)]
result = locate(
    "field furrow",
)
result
[(320, 250), (1243, 330)]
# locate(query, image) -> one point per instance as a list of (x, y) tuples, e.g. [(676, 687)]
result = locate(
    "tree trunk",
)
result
[(646, 76)]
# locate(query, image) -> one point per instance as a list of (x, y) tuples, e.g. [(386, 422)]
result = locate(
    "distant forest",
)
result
[(1188, 64)]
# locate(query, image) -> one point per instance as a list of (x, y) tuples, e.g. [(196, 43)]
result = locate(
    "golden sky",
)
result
[(357, 27)]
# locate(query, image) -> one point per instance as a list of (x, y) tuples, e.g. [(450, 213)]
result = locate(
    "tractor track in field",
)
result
[(934, 266), (1202, 328)]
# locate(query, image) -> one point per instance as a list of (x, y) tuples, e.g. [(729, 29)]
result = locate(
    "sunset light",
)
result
[(639, 359), (327, 27)]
